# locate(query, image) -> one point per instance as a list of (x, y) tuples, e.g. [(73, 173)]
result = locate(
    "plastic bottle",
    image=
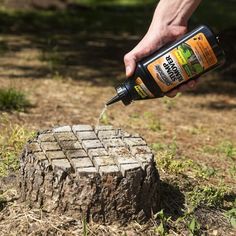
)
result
[(192, 55)]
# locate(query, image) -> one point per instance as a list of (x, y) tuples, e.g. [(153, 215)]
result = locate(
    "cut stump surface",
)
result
[(100, 173)]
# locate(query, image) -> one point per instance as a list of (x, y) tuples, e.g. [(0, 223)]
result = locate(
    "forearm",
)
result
[(173, 12), (169, 22)]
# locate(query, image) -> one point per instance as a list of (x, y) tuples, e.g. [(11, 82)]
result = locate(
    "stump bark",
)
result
[(97, 173)]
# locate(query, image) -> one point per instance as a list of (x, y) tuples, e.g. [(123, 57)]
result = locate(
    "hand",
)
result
[(168, 23), (152, 41)]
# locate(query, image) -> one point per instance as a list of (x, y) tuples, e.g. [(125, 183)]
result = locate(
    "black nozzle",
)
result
[(122, 95), (113, 100)]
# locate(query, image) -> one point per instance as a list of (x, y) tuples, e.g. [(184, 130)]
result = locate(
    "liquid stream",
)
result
[(101, 115)]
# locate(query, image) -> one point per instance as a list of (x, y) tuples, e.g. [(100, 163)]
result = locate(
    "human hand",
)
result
[(169, 23), (151, 42)]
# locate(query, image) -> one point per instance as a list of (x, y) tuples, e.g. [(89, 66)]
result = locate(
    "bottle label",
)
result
[(183, 62), (141, 89)]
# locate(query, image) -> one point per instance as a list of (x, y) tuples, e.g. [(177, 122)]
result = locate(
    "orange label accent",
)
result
[(142, 90), (183, 62)]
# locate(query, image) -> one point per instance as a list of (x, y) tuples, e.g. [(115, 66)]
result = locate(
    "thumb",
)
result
[(130, 64)]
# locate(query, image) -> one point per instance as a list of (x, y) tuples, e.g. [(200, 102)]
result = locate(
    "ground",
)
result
[(67, 64)]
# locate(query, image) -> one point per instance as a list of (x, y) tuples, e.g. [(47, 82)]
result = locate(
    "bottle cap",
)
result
[(122, 95)]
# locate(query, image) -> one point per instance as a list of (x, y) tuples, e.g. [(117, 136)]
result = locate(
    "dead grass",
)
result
[(12, 139), (17, 219)]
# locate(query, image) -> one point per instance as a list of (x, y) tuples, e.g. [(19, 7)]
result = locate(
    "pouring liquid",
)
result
[(101, 115)]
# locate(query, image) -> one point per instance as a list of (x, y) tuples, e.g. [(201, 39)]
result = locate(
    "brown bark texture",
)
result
[(94, 173)]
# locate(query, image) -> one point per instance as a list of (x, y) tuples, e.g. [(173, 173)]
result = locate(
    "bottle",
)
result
[(192, 55)]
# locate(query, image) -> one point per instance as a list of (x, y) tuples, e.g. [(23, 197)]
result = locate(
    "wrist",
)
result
[(174, 12)]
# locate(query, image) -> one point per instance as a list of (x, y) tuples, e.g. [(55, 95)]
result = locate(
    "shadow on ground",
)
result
[(8, 192), (172, 200), (84, 44)]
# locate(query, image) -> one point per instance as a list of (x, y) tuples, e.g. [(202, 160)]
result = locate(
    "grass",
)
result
[(162, 228), (201, 185), (85, 227), (166, 158), (168, 163), (12, 99), (231, 214), (12, 140), (209, 196), (194, 227), (173, 162), (225, 148), (232, 171), (228, 149)]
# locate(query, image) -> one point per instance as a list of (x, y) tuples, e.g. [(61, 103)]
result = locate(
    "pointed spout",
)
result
[(113, 100)]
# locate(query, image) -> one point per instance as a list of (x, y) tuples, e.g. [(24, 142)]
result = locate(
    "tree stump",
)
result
[(97, 173)]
